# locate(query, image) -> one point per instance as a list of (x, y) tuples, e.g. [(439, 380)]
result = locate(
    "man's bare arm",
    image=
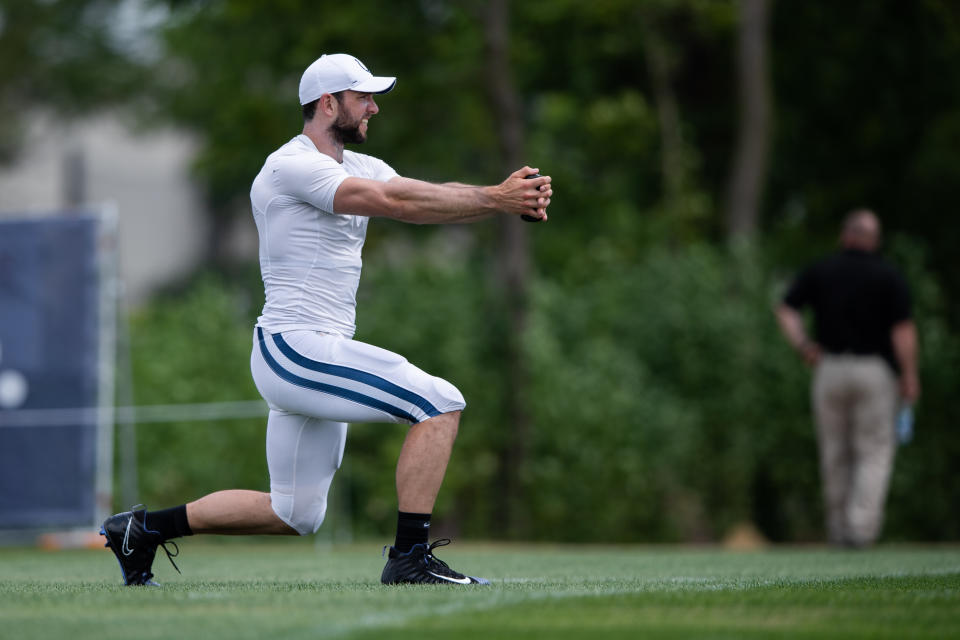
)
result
[(479, 216), (791, 325), (421, 202), (904, 338)]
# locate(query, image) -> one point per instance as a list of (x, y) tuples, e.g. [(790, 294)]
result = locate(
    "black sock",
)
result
[(412, 528), (170, 523)]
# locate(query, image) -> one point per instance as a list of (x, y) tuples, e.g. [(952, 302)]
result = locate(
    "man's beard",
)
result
[(345, 131)]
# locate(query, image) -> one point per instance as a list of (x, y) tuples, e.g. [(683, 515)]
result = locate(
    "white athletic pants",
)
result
[(315, 383)]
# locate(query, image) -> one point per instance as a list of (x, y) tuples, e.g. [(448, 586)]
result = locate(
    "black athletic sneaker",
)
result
[(135, 545), (420, 566)]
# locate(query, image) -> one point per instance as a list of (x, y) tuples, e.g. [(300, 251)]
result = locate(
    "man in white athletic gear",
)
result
[(312, 201)]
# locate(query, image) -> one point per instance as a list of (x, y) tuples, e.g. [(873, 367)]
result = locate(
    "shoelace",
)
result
[(162, 545), (171, 556), (442, 542), (429, 558)]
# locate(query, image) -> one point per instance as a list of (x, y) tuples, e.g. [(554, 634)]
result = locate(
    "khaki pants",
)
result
[(854, 402)]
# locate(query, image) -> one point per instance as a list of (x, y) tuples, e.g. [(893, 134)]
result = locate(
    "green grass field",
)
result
[(294, 589)]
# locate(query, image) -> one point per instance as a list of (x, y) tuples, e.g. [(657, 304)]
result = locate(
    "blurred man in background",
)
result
[(864, 339), (312, 202)]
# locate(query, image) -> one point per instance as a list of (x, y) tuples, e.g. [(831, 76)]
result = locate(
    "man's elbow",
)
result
[(385, 206), (370, 205), (392, 202)]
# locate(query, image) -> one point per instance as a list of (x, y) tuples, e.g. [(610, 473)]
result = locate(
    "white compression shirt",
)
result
[(309, 256)]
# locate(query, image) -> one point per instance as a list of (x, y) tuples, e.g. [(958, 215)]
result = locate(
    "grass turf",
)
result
[(293, 589)]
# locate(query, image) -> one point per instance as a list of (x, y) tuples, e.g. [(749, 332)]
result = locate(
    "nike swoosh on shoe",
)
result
[(463, 580), (126, 539)]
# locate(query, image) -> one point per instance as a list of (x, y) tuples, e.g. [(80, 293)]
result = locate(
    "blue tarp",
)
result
[(49, 339)]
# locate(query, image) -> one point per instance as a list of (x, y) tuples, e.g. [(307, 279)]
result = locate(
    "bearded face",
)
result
[(346, 128)]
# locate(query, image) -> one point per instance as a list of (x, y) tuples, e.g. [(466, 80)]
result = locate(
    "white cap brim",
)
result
[(375, 84)]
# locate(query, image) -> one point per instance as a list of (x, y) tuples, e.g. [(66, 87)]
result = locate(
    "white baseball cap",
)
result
[(335, 72)]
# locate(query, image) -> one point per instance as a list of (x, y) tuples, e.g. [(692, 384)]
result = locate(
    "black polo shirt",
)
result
[(856, 298)]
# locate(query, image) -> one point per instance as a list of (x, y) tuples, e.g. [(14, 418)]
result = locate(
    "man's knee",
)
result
[(304, 516), (449, 398)]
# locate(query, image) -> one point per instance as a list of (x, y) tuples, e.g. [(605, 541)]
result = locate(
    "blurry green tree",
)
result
[(68, 56), (747, 179), (657, 378), (660, 401)]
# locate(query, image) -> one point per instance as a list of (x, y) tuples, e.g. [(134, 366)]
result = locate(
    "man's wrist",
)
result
[(488, 198)]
